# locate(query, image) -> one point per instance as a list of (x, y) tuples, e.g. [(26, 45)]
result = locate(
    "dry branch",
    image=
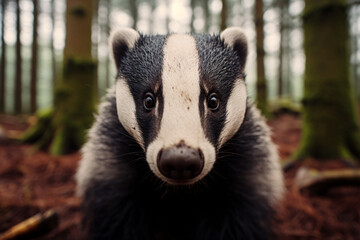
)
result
[(319, 181), (37, 225)]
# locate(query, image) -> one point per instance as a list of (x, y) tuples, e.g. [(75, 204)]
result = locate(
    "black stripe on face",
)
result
[(142, 68), (219, 68)]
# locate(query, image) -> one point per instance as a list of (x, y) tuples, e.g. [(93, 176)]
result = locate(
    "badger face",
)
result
[(181, 97)]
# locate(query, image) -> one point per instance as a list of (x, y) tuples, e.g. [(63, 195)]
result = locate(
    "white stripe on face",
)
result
[(126, 110), (235, 111), (181, 91)]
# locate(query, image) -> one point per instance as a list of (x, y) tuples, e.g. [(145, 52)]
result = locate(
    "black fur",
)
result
[(219, 67), (134, 204), (143, 72), (224, 205)]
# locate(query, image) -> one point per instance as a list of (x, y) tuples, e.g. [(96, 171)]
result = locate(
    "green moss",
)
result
[(78, 11), (330, 126), (314, 7), (75, 101), (35, 133), (62, 129)]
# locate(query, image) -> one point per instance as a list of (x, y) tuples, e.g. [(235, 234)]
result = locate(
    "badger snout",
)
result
[(180, 162)]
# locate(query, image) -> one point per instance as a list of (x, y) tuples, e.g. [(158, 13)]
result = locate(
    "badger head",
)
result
[(181, 97)]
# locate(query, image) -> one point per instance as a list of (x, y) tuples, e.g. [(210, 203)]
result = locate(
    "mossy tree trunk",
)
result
[(134, 12), (18, 64), (207, 17), (223, 15), (34, 60), (167, 19), (284, 45), (261, 88), (3, 58), (330, 124), (105, 35), (63, 129), (53, 55), (192, 27), (152, 16)]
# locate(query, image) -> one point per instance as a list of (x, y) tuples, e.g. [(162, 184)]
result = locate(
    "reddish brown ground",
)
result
[(32, 181)]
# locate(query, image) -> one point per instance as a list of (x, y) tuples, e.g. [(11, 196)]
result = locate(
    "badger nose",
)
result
[(180, 162)]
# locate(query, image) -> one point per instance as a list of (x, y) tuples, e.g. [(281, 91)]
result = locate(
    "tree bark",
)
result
[(192, 3), (34, 60), (96, 27), (53, 55), (107, 27), (223, 15), (167, 20), (18, 64), (3, 58), (134, 13), (152, 16), (261, 97), (330, 124), (207, 16), (355, 51), (281, 49), (75, 96), (63, 128)]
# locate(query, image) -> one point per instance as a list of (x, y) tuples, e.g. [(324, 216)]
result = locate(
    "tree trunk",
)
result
[(152, 16), (18, 64), (75, 95), (34, 60), (167, 20), (261, 88), (192, 3), (134, 13), (223, 15), (3, 58), (53, 55), (281, 50), (107, 27), (96, 27), (330, 124), (355, 52), (207, 16)]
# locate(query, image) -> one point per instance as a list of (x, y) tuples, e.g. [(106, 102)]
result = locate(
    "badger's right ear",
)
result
[(235, 38), (121, 41)]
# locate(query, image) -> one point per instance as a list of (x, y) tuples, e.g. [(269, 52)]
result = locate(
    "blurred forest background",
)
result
[(33, 40), (303, 72)]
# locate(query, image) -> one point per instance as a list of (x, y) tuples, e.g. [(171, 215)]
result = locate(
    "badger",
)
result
[(177, 151)]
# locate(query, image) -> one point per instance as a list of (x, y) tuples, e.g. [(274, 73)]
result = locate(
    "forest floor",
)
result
[(32, 182)]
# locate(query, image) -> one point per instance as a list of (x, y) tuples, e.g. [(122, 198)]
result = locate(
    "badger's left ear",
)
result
[(121, 41), (235, 38)]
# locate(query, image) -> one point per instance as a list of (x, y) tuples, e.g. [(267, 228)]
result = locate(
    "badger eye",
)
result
[(213, 101), (149, 101)]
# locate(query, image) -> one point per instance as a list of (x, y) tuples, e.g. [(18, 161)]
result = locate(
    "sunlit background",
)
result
[(162, 16)]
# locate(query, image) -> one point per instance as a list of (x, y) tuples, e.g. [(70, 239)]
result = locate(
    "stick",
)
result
[(320, 181), (35, 225)]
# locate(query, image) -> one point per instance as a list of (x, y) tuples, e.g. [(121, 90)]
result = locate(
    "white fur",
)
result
[(235, 111), (181, 117), (123, 36), (126, 36), (91, 167), (233, 35), (126, 110), (273, 177)]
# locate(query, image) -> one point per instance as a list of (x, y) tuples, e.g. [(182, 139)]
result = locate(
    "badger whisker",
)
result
[(177, 150)]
